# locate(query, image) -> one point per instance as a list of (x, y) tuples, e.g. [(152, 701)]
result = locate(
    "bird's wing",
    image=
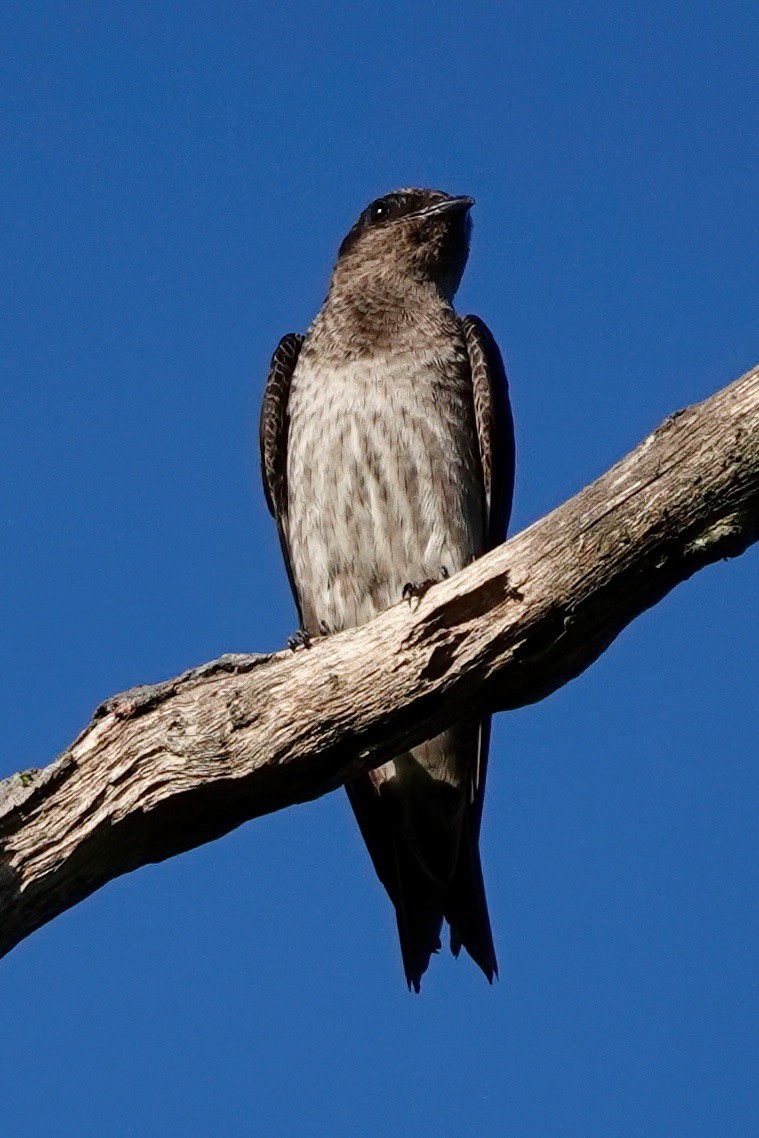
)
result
[(272, 437), (495, 426), (495, 435)]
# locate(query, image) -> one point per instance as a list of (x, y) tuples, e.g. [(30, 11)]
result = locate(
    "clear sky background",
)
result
[(175, 180)]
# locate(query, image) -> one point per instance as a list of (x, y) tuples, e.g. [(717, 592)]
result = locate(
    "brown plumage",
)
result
[(387, 456)]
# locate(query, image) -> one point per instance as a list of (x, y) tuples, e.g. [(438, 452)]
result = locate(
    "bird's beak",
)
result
[(462, 203), (450, 205)]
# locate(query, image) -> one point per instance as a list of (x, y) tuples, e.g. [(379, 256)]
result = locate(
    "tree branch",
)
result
[(164, 768)]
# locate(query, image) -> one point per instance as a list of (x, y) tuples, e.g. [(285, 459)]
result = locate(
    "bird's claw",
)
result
[(415, 590), (299, 639)]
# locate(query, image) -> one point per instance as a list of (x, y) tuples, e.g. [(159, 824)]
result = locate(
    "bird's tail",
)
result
[(418, 904), (465, 906), (420, 899), (422, 904)]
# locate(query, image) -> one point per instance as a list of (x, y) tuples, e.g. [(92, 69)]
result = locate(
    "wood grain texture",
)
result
[(161, 769)]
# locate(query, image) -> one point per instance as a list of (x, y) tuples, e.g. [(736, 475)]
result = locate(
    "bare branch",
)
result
[(161, 769)]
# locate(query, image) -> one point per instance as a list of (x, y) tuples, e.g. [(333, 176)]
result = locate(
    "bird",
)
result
[(387, 457)]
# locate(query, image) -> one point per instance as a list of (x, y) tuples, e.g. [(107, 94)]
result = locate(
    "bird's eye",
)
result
[(379, 210)]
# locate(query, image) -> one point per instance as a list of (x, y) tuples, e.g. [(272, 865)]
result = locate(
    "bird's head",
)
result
[(419, 234)]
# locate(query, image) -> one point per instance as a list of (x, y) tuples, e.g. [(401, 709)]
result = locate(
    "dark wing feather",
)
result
[(272, 436), (274, 422), (495, 425), (495, 435), (466, 907)]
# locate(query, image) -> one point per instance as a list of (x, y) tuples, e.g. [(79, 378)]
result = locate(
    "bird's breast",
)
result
[(383, 480)]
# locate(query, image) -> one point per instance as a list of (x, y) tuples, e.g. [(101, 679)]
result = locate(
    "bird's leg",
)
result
[(299, 639), (415, 590)]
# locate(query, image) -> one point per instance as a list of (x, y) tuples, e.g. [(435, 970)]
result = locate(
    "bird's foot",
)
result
[(415, 590), (299, 639)]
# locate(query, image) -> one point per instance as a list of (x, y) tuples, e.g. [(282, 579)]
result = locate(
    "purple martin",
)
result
[(387, 455)]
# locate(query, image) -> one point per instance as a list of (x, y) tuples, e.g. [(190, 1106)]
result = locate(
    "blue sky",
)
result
[(176, 180)]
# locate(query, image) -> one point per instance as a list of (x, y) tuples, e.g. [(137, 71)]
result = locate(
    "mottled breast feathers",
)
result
[(495, 430)]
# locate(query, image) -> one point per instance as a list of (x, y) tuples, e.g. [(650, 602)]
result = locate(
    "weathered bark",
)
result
[(161, 769)]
